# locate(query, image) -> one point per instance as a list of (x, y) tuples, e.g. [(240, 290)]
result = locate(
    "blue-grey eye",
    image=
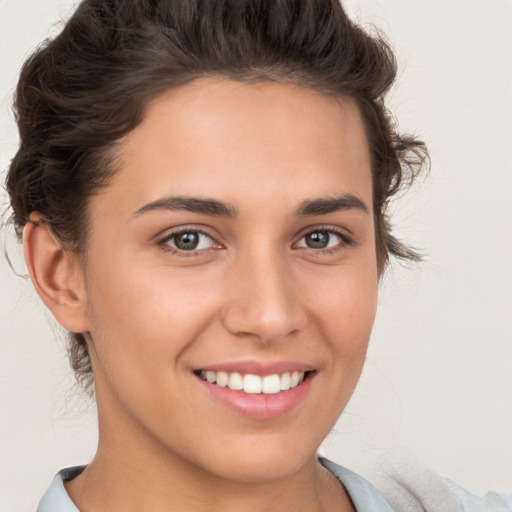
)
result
[(190, 241), (320, 239)]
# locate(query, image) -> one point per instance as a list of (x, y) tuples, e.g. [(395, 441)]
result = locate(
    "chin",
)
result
[(260, 460)]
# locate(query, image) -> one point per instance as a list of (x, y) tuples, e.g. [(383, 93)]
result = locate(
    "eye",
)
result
[(323, 239), (190, 240)]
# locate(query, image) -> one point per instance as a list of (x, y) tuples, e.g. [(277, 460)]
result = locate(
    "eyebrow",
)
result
[(327, 205), (213, 207), (203, 206)]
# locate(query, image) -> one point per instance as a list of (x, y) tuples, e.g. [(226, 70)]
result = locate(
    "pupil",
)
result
[(187, 241), (317, 239)]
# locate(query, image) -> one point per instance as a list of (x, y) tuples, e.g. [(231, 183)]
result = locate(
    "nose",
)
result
[(264, 302)]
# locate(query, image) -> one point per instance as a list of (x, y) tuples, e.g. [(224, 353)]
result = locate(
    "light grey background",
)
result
[(438, 378)]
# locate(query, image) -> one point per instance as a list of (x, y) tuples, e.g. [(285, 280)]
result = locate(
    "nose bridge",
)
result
[(263, 300)]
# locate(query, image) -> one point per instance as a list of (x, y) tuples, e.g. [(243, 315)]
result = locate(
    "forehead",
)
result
[(220, 138)]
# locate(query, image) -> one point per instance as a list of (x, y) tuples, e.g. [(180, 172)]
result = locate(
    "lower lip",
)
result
[(259, 406)]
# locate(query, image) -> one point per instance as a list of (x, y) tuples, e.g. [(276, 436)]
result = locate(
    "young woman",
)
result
[(202, 188)]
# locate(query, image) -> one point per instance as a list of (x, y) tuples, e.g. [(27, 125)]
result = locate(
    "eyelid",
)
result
[(185, 228), (174, 232), (346, 238)]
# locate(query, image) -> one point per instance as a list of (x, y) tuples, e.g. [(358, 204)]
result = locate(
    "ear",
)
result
[(55, 274)]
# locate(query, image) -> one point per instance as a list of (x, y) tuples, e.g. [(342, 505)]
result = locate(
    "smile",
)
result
[(253, 384)]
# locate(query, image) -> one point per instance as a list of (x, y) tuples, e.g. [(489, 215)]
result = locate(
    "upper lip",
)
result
[(261, 368)]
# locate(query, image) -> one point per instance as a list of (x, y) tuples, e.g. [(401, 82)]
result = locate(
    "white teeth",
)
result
[(222, 379), (254, 384), (271, 384), (285, 382), (235, 382)]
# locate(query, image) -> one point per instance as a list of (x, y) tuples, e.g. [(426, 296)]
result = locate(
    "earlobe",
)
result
[(55, 274)]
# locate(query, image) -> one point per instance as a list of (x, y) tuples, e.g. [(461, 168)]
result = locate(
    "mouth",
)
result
[(257, 390), (252, 384)]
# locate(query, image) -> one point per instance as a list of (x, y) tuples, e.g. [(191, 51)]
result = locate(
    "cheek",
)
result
[(345, 309), (143, 319)]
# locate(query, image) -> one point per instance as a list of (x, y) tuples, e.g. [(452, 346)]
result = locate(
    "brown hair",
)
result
[(82, 91)]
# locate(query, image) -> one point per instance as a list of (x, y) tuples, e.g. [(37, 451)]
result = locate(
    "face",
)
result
[(234, 248)]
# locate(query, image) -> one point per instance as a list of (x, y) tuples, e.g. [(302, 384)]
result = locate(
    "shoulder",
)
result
[(410, 487), (491, 501), (56, 498), (363, 494)]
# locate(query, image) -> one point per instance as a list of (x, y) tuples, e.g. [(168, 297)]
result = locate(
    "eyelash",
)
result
[(346, 241), (163, 243)]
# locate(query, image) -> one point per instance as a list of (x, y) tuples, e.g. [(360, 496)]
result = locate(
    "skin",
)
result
[(254, 291)]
